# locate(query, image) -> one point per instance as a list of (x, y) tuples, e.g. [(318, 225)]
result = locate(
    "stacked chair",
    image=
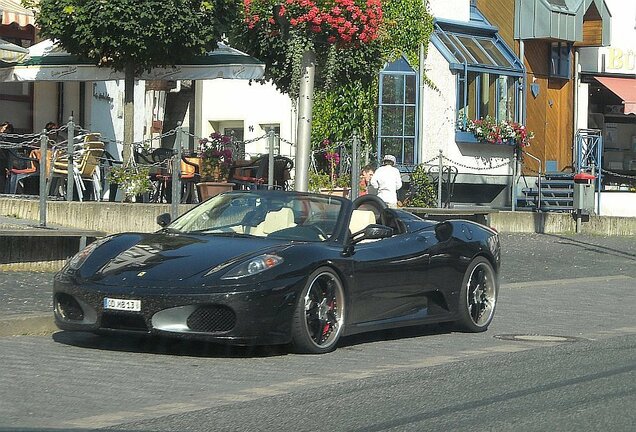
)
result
[(87, 154)]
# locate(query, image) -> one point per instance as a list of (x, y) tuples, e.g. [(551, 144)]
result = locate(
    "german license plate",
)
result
[(122, 304)]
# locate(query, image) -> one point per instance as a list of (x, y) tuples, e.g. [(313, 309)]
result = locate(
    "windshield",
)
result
[(264, 214)]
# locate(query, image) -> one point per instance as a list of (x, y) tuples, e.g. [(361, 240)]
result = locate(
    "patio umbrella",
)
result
[(47, 61), (11, 53)]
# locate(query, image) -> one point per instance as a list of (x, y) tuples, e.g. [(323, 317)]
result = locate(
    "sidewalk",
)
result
[(25, 297), (26, 303)]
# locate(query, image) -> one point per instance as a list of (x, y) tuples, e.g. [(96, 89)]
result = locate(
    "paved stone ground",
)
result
[(526, 257)]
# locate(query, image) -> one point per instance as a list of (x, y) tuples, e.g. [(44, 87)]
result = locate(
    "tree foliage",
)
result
[(145, 34), (134, 36), (340, 111), (408, 26), (342, 33), (422, 192)]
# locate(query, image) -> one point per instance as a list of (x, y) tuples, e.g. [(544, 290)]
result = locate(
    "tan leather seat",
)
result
[(275, 221), (360, 219)]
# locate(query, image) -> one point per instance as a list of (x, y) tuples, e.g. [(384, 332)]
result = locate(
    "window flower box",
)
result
[(490, 131)]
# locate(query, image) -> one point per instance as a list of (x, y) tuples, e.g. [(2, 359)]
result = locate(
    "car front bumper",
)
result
[(243, 316)]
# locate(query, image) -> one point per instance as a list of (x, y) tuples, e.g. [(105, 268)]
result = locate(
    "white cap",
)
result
[(390, 158)]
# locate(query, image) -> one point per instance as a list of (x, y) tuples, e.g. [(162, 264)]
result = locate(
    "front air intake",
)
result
[(121, 321), (212, 319), (67, 307)]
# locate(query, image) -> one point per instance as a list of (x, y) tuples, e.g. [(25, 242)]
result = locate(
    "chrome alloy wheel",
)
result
[(324, 309), (481, 294)]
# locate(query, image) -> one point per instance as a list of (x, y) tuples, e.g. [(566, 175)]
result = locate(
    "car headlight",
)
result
[(79, 258), (253, 266)]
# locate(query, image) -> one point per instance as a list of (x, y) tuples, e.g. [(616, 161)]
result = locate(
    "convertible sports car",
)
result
[(274, 267)]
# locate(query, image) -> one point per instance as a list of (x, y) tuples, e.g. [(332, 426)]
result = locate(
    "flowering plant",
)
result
[(332, 159), (343, 35), (341, 22), (490, 130), (216, 157)]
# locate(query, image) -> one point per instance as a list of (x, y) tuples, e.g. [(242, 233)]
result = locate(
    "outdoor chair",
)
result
[(256, 174), (190, 176), (17, 176), (86, 166), (108, 162), (160, 176)]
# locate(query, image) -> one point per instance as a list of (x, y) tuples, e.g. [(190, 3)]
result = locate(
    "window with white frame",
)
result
[(397, 113)]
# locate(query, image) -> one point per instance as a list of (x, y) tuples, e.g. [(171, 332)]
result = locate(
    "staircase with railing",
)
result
[(551, 192)]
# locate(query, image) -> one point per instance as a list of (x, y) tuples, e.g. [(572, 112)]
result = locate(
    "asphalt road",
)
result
[(576, 293)]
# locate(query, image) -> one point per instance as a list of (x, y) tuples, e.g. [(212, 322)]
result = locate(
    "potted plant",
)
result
[(216, 159), (422, 192), (330, 182), (132, 179)]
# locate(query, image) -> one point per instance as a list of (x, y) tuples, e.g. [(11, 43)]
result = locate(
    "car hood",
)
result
[(168, 257)]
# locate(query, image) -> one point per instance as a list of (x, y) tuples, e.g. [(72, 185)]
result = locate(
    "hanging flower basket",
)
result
[(133, 180)]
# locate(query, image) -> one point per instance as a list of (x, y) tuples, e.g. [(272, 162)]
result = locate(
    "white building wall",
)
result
[(44, 104), (104, 106), (439, 112), (450, 9), (620, 56), (106, 113), (237, 103)]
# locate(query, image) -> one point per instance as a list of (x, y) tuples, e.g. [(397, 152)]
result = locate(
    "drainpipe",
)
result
[(522, 99), (522, 119), (577, 84), (420, 105)]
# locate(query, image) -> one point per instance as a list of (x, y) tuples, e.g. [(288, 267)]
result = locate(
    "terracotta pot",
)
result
[(343, 192), (209, 189)]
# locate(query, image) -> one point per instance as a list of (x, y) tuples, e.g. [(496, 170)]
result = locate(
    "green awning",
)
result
[(11, 53)]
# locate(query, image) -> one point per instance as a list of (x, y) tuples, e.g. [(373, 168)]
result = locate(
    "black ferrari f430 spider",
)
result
[(275, 267)]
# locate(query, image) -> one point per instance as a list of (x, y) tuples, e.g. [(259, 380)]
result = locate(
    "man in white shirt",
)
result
[(386, 181)]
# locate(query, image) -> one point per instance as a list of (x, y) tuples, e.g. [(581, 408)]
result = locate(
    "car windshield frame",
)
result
[(291, 216)]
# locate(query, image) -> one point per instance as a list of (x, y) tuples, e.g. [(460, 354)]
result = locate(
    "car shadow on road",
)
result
[(395, 334), (164, 345), (146, 344)]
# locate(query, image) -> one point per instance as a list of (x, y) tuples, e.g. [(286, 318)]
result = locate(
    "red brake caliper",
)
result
[(327, 324)]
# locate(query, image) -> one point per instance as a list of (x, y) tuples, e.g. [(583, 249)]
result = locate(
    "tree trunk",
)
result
[(129, 112)]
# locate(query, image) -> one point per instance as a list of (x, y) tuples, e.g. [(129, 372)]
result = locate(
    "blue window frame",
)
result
[(489, 74), (397, 112)]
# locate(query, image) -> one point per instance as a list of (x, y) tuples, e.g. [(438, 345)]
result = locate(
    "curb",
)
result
[(37, 324)]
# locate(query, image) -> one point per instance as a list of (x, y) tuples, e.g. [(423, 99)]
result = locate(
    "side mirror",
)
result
[(164, 219), (443, 231), (372, 232)]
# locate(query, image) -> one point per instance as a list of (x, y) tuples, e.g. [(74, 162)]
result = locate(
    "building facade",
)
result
[(546, 34), (606, 94)]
